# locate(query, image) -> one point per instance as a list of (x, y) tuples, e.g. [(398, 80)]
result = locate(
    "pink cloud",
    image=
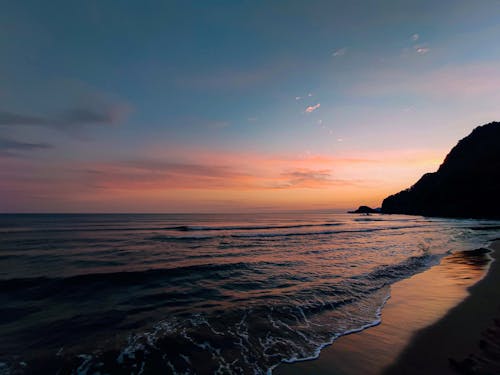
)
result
[(206, 178), (312, 108)]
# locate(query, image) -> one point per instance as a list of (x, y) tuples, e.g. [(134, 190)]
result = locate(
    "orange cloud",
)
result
[(208, 180)]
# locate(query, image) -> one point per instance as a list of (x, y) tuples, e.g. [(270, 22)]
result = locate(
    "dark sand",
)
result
[(419, 333)]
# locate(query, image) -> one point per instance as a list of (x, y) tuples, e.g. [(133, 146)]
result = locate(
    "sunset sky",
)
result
[(230, 106)]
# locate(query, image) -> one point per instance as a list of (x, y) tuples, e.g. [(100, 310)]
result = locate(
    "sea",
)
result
[(204, 293)]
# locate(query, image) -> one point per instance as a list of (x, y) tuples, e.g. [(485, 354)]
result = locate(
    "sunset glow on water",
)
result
[(201, 292)]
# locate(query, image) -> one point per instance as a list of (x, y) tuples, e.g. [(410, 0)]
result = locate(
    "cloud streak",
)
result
[(10, 147), (312, 108), (422, 50), (70, 119), (11, 119), (306, 178), (339, 52), (164, 182)]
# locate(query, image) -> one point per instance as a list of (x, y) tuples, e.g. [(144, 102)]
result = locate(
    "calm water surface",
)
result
[(203, 293)]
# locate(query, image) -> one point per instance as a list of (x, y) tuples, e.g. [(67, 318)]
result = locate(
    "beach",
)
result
[(442, 321), (195, 293)]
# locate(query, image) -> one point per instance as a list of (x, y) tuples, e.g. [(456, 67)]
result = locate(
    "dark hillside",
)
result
[(467, 184)]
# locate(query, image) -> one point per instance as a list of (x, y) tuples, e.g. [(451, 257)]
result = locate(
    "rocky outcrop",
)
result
[(467, 184), (365, 210)]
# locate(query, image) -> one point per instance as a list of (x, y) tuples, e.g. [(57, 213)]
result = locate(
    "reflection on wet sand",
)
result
[(415, 303)]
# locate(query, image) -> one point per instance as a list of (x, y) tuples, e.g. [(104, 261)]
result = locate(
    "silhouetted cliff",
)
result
[(467, 184)]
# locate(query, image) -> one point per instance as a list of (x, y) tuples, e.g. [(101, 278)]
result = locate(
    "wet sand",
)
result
[(466, 340), (441, 321)]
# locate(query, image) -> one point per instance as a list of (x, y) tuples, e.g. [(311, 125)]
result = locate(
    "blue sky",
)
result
[(98, 85)]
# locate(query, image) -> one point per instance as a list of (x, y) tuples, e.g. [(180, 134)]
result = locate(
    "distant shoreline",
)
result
[(451, 332)]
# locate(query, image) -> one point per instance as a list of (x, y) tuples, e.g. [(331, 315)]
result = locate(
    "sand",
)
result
[(464, 341), (441, 321)]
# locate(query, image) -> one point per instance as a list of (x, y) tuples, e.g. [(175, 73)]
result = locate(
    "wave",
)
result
[(251, 339), (127, 278), (232, 314), (405, 268), (244, 341), (486, 227), (386, 218), (179, 228), (76, 229), (269, 235), (193, 228)]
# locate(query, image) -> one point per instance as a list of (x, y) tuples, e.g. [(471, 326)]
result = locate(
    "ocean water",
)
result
[(205, 293)]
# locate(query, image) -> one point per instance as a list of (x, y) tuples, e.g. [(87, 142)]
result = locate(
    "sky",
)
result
[(235, 106)]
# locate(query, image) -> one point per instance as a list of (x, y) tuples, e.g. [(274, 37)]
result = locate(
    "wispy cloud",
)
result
[(159, 175), (309, 95), (174, 181), (69, 119), (416, 46), (339, 52), (9, 118), (192, 169), (74, 121), (308, 178), (11, 146), (312, 108), (422, 50), (93, 116)]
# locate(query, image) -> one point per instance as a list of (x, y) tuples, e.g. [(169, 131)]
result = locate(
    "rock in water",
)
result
[(365, 210)]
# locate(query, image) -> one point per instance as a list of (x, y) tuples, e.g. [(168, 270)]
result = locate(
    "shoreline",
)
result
[(467, 337), (422, 324)]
